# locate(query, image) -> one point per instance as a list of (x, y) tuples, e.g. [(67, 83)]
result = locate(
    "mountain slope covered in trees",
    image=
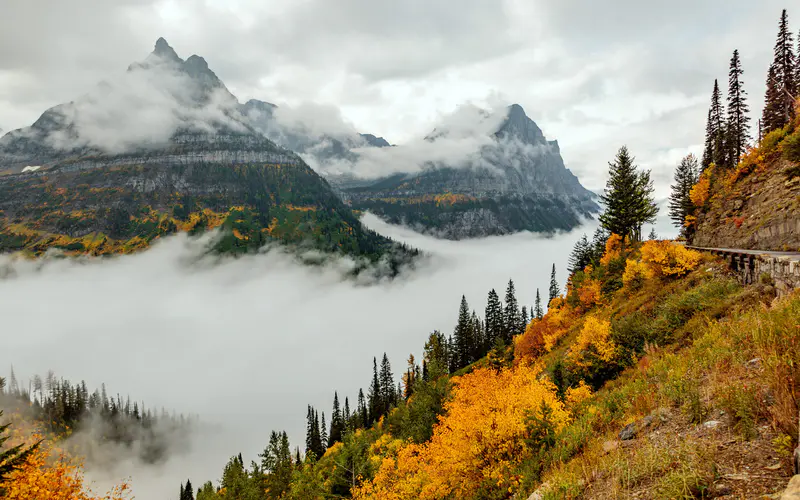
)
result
[(103, 190)]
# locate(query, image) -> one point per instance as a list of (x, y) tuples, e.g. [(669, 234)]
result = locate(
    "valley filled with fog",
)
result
[(247, 343)]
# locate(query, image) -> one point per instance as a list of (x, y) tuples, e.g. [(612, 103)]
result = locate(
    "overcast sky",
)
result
[(594, 75)]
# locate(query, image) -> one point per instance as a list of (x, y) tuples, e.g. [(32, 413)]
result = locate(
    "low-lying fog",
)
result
[(248, 343)]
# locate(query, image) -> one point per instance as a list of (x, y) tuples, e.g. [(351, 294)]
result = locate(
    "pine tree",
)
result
[(652, 236), (323, 436), (462, 335), (598, 246), (363, 412), (785, 65), (309, 430), (628, 198), (680, 204), (187, 493), (512, 318), (374, 396), (581, 255), (554, 290), (337, 424), (708, 148), (387, 387), (494, 319), (738, 126), (718, 132), (772, 117), (537, 308), (525, 317), (478, 337)]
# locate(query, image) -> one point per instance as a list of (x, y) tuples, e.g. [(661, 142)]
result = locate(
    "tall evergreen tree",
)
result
[(785, 65), (512, 317), (581, 255), (323, 436), (738, 126), (462, 335), (598, 246), (628, 198), (718, 132), (187, 491), (478, 337), (494, 319), (525, 317), (772, 116), (337, 422), (363, 412), (554, 290), (708, 148), (653, 235), (387, 387), (374, 395), (680, 204), (537, 308)]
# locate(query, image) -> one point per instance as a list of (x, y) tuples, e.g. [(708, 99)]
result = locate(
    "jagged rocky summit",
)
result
[(164, 148), (516, 182)]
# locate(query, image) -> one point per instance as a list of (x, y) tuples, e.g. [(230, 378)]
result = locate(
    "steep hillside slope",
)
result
[(518, 182), (99, 175), (756, 206)]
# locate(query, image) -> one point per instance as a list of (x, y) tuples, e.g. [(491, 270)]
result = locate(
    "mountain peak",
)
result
[(164, 51), (519, 126), (516, 110)]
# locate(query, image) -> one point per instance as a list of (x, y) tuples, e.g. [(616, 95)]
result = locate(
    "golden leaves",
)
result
[(668, 259), (476, 441)]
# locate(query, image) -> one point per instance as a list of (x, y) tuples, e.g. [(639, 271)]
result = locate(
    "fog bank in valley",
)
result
[(246, 344)]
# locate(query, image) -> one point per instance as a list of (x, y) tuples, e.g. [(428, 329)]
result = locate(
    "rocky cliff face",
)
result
[(761, 211), (182, 157), (517, 182)]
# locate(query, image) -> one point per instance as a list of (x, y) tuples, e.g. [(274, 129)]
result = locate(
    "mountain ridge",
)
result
[(211, 169)]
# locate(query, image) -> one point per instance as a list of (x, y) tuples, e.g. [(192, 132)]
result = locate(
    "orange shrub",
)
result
[(589, 293), (476, 443), (668, 259), (702, 190), (613, 249)]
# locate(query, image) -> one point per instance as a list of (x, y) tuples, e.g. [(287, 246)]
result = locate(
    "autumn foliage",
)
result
[(664, 258), (702, 190), (476, 443), (50, 473)]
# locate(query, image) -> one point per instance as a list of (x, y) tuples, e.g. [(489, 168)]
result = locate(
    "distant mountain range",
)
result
[(516, 182), (164, 149), (167, 147)]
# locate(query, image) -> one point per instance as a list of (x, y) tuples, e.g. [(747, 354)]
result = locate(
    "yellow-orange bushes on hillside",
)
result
[(702, 190), (593, 340), (636, 273), (577, 395), (50, 473), (541, 335), (476, 442), (613, 250), (668, 259)]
